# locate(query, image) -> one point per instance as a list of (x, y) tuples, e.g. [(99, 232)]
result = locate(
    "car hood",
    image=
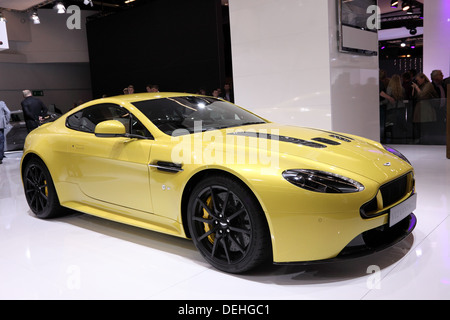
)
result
[(306, 148)]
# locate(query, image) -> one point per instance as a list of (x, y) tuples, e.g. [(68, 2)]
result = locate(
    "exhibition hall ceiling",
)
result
[(399, 25), (26, 5), (22, 5), (99, 5)]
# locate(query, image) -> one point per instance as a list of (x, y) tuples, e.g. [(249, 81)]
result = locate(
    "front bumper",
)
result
[(325, 227), (370, 242)]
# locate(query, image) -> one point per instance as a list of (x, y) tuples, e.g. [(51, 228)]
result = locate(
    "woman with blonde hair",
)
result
[(395, 107), (424, 113), (395, 88), (424, 92)]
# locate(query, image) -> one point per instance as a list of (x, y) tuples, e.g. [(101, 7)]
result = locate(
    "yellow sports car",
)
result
[(244, 189)]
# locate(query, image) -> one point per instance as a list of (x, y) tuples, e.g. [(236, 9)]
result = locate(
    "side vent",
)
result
[(167, 166), (327, 141), (342, 138)]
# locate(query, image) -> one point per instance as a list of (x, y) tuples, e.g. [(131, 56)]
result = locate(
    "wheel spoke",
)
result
[(213, 200), (240, 230), (205, 206), (33, 199), (206, 234), (238, 245), (203, 220), (36, 185), (214, 248), (225, 248), (225, 202), (237, 213)]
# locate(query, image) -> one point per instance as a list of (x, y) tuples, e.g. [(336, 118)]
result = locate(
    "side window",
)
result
[(86, 119)]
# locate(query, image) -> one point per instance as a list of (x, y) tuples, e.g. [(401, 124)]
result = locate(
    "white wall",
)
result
[(354, 87), (287, 68), (280, 55), (436, 54)]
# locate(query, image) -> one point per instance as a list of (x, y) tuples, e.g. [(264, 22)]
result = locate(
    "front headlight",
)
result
[(396, 152), (320, 181)]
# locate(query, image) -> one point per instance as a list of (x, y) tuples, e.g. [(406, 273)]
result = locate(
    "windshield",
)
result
[(194, 113)]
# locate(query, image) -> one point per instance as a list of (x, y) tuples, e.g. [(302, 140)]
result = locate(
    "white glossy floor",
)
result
[(83, 257)]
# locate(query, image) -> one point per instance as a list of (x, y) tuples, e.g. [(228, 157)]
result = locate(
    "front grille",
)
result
[(394, 191), (389, 194)]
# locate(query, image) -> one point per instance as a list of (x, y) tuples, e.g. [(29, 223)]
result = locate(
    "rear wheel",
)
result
[(227, 225), (39, 190)]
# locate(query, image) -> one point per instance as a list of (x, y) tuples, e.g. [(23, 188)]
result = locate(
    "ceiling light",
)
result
[(35, 18), (129, 1), (406, 6), (60, 8), (394, 3)]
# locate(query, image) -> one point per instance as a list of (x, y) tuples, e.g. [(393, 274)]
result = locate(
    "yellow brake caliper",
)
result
[(206, 216)]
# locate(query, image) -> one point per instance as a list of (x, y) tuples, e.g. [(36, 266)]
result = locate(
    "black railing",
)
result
[(414, 122)]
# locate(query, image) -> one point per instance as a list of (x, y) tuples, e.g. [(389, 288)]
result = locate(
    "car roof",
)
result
[(135, 97)]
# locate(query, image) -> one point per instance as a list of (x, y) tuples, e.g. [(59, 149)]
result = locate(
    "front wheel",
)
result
[(227, 225), (39, 190)]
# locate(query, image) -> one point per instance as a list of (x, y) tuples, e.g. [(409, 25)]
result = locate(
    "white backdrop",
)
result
[(287, 68)]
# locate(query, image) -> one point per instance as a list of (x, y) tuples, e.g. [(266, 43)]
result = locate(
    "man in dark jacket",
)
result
[(33, 110)]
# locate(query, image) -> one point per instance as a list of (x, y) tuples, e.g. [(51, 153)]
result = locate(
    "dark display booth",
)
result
[(176, 44)]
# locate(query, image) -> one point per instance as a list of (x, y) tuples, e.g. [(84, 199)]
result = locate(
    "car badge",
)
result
[(387, 164)]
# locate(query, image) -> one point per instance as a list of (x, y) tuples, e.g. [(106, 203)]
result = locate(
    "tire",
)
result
[(227, 225), (40, 191)]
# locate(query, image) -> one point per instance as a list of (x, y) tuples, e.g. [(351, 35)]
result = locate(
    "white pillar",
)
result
[(287, 68), (281, 60), (4, 44), (436, 55)]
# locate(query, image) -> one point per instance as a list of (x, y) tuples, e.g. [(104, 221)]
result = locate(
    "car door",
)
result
[(111, 170), (16, 134)]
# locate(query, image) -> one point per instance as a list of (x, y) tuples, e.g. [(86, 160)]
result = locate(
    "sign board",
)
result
[(358, 27), (38, 93), (4, 44)]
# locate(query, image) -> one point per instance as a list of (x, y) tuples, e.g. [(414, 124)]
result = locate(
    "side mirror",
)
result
[(110, 129)]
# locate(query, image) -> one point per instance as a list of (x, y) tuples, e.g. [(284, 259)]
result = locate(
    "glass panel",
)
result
[(193, 113), (414, 122)]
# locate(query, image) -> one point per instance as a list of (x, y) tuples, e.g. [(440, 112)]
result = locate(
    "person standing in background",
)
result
[(5, 117), (34, 110)]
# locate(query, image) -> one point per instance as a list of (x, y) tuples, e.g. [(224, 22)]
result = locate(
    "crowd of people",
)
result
[(226, 93), (412, 98)]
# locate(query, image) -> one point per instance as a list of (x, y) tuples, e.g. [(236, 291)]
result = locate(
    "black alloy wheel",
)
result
[(228, 225), (39, 190)]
